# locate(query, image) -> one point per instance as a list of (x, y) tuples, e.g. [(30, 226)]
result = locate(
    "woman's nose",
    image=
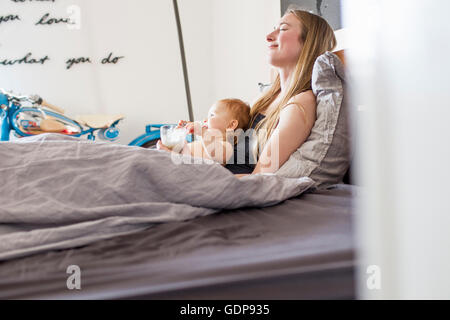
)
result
[(271, 36)]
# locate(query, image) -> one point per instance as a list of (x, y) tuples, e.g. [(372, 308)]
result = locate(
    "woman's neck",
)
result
[(285, 75)]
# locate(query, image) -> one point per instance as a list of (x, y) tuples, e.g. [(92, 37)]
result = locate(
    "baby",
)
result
[(216, 135)]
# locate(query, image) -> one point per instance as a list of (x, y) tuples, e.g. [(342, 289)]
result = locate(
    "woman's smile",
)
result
[(284, 43)]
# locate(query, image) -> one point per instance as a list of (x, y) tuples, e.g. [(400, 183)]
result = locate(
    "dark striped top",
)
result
[(241, 162)]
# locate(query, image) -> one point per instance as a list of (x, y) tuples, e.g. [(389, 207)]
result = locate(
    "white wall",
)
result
[(226, 49), (197, 24), (240, 48), (147, 86), (399, 61)]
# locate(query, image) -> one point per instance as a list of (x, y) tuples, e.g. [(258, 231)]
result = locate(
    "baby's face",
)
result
[(218, 117)]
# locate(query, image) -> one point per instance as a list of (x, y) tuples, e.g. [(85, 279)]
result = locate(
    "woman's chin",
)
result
[(274, 62)]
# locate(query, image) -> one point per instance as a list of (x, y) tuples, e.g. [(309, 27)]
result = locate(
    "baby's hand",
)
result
[(182, 123), (190, 127), (160, 146), (195, 128)]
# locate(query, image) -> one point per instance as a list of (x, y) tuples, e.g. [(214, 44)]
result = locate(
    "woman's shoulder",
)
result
[(301, 107), (307, 99)]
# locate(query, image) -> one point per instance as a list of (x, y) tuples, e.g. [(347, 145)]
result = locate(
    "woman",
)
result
[(284, 116)]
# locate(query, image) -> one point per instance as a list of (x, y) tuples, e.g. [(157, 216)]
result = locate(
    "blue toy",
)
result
[(149, 138), (36, 118)]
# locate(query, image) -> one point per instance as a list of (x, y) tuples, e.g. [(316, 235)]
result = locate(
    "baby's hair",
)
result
[(240, 111)]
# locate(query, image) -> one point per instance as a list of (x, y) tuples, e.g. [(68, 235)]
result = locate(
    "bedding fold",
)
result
[(59, 192)]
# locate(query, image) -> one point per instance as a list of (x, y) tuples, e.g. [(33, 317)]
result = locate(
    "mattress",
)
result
[(302, 248)]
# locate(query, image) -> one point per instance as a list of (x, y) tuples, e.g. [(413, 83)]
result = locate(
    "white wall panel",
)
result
[(401, 91), (146, 85)]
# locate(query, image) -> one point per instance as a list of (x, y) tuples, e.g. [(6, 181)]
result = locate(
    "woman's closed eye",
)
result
[(279, 29), (283, 26)]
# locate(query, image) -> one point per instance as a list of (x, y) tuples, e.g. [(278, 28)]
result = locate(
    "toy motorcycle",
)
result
[(31, 115)]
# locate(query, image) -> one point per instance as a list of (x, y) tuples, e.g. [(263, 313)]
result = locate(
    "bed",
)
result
[(302, 248)]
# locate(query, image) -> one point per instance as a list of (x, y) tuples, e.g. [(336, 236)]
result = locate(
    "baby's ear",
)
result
[(233, 124)]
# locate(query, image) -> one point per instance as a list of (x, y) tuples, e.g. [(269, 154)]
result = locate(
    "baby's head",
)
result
[(229, 114)]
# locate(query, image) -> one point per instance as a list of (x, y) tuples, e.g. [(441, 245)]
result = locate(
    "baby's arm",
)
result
[(218, 151), (194, 149), (210, 145)]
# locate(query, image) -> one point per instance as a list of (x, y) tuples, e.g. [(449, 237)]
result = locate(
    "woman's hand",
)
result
[(160, 146)]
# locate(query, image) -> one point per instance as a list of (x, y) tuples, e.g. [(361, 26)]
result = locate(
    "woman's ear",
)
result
[(233, 124)]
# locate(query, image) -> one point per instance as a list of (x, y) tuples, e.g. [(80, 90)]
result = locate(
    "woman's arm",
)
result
[(296, 122)]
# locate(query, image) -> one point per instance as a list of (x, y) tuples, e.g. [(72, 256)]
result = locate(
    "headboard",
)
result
[(341, 55), (349, 178)]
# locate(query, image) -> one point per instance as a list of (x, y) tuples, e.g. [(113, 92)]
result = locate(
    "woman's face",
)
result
[(285, 44)]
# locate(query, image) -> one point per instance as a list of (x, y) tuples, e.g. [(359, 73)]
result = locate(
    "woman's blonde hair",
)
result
[(317, 37)]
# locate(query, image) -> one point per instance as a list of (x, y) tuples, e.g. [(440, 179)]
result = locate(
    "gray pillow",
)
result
[(325, 155)]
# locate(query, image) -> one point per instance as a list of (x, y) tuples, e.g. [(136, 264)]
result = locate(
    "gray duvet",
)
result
[(58, 192)]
